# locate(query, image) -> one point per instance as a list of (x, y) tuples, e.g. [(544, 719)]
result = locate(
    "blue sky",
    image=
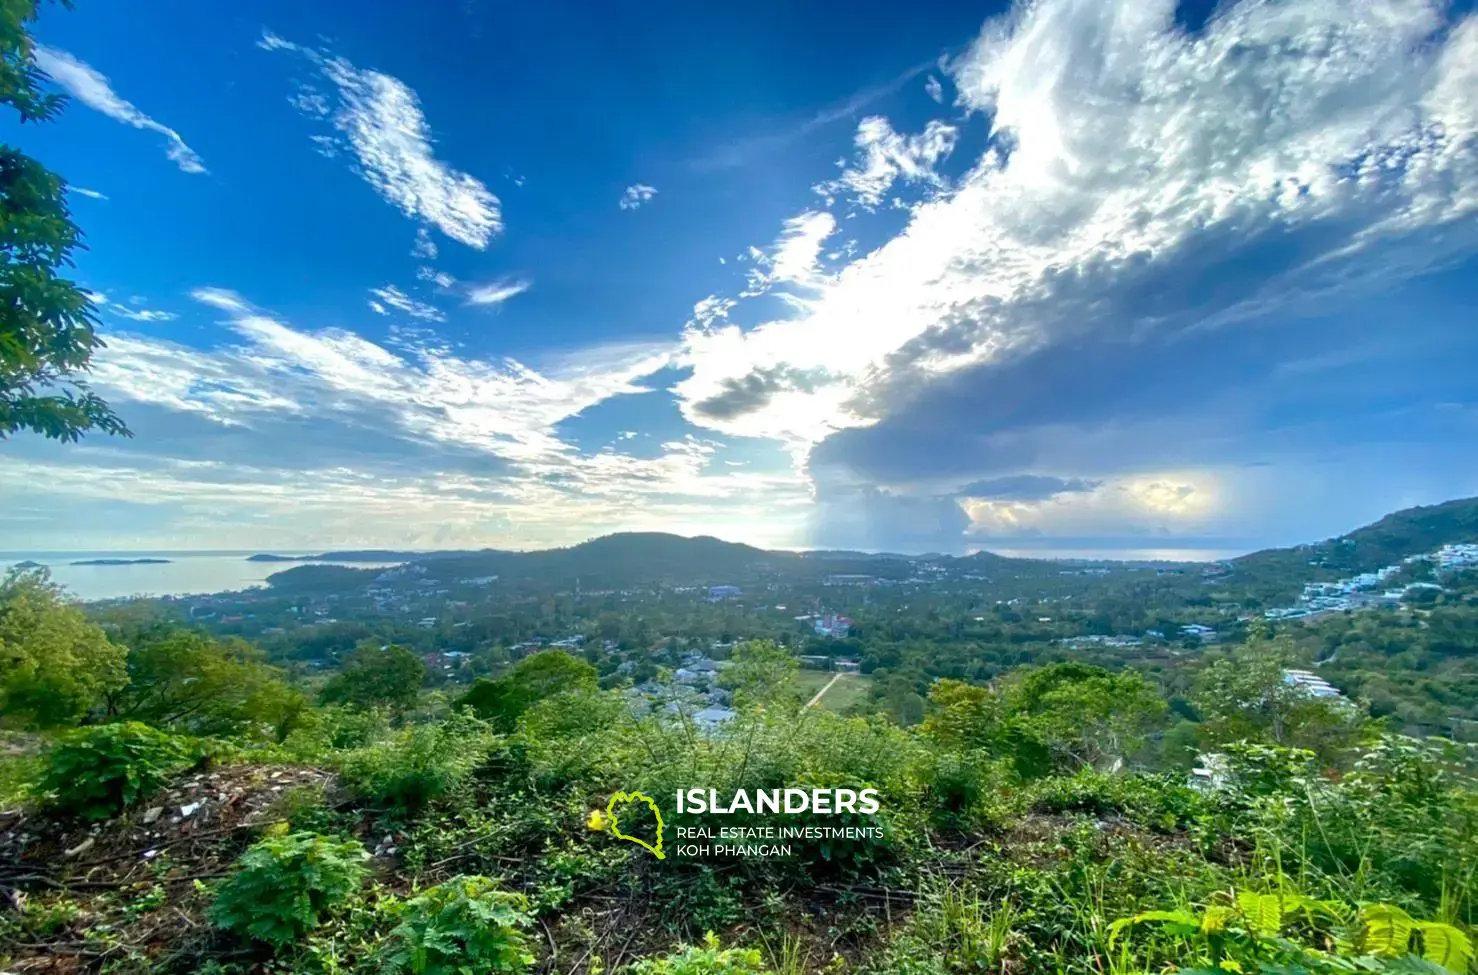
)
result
[(1080, 273)]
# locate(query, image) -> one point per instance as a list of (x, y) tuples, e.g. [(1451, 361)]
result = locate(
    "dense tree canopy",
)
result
[(504, 699), (47, 325), (55, 665), (371, 677)]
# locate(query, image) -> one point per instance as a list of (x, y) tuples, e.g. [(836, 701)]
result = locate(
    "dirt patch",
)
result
[(79, 896)]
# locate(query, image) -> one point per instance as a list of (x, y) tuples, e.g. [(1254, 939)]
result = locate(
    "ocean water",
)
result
[(1122, 554), (185, 573)]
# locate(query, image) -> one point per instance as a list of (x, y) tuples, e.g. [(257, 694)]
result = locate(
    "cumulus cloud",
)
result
[(635, 195), (1288, 157), (90, 87), (379, 119), (390, 297)]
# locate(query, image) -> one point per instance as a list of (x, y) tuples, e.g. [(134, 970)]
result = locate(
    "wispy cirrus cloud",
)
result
[(426, 393), (134, 309), (885, 157), (92, 88), (495, 292), (388, 297), (379, 119)]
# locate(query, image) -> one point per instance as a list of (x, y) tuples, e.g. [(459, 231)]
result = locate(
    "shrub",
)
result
[(965, 789), (1154, 801), (463, 925), (98, 772), (533, 679), (707, 959), (283, 885), (326, 730), (1249, 931), (419, 764)]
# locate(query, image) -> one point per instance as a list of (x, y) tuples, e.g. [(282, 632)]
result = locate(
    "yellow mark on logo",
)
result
[(608, 821)]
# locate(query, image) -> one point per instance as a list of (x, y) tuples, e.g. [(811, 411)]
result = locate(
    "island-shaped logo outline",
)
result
[(611, 821)]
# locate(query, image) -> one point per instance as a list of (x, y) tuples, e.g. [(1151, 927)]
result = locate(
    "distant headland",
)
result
[(122, 562)]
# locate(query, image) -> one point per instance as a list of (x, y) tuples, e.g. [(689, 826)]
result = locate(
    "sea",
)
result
[(185, 573), (1091, 554)]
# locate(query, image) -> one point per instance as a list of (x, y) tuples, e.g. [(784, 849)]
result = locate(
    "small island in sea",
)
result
[(121, 562)]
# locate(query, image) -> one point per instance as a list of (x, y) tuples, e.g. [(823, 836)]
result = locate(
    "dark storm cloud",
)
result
[(754, 391), (1025, 487)]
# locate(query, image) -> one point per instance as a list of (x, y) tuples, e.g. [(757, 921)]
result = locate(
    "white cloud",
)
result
[(222, 298), (133, 309), (496, 292), (506, 409), (1123, 151), (886, 156), (90, 194), (141, 314), (424, 247), (390, 296), (935, 89), (91, 88), (284, 395), (261, 507), (439, 278), (379, 118), (793, 257), (635, 195)]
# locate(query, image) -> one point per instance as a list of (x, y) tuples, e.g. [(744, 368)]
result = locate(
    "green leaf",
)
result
[(1445, 945), (1183, 921), (1387, 930), (1263, 912)]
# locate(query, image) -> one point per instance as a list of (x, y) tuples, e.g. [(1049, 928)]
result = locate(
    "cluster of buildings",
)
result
[(1454, 558), (1359, 591), (1198, 631), (823, 662), (694, 691), (1310, 683), (832, 625)]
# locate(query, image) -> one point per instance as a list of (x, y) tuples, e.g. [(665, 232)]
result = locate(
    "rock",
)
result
[(152, 814), (188, 810)]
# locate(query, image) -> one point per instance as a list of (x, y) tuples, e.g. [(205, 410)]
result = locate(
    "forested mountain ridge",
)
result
[(1279, 572), (646, 558)]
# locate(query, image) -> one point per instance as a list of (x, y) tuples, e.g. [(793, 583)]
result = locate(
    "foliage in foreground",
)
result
[(705, 959), (47, 323), (419, 764), (1246, 930), (283, 885), (464, 925), (98, 772)]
